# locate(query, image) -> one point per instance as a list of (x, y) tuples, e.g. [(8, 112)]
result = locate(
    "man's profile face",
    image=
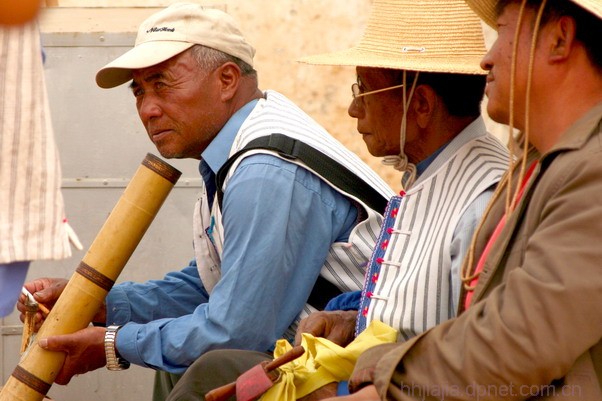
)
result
[(498, 61), (177, 103), (378, 115)]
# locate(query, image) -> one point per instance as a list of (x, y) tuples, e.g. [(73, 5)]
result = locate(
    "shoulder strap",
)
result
[(293, 149), (337, 174)]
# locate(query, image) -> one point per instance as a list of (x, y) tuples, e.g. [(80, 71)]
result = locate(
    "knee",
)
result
[(212, 370), (208, 363)]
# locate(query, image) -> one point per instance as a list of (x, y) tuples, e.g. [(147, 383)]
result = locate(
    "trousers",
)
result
[(214, 369)]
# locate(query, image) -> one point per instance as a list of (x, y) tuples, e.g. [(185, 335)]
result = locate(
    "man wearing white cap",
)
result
[(417, 103), (530, 325), (262, 235)]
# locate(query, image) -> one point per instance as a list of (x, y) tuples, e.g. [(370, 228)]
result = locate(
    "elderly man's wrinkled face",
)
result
[(378, 115), (178, 104)]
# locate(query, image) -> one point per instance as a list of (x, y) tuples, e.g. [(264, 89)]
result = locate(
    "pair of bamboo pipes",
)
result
[(94, 277)]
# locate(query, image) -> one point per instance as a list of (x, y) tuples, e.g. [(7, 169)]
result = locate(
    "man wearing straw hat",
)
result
[(417, 103), (530, 325), (261, 239)]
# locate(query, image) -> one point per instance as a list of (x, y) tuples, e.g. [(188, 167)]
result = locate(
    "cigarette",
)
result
[(31, 300)]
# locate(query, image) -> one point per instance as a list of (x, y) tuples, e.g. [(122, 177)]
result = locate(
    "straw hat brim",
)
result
[(358, 57), (442, 36), (486, 9)]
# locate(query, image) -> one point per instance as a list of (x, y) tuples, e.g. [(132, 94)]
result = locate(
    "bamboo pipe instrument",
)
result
[(94, 277)]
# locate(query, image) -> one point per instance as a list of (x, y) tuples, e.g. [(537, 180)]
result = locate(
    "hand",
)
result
[(367, 393), (45, 291), (336, 326), (85, 351)]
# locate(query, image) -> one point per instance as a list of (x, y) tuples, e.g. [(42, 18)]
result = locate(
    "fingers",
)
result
[(341, 335), (64, 344), (336, 326), (75, 343), (45, 291), (84, 351), (315, 324), (55, 343), (342, 331)]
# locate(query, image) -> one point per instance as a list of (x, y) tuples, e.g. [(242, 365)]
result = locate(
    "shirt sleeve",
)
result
[(462, 237), (345, 301), (279, 221), (177, 294)]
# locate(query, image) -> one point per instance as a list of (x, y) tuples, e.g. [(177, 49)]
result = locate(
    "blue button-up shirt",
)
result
[(279, 221)]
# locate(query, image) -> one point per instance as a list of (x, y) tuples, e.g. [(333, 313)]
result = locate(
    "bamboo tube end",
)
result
[(162, 168)]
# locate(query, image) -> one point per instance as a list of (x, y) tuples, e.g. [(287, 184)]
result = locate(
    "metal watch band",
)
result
[(114, 361)]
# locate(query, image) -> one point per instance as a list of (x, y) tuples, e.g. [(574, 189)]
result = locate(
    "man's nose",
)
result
[(486, 61), (355, 109), (148, 107)]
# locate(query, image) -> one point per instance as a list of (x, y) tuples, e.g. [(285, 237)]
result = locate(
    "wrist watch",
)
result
[(114, 360)]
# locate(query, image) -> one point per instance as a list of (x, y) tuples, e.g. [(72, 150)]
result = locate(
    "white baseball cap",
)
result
[(171, 31)]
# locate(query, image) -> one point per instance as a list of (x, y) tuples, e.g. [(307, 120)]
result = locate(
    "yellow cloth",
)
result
[(323, 362)]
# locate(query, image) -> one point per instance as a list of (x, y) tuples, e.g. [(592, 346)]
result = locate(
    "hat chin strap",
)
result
[(400, 162)]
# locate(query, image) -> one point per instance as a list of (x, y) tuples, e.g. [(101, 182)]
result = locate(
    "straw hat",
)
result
[(419, 35), (486, 8)]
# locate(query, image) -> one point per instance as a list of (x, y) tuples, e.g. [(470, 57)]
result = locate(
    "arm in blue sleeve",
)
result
[(345, 301), (279, 222), (461, 239), (179, 293)]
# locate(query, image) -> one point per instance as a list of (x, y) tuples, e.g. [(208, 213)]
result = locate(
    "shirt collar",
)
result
[(428, 166), (423, 165), (216, 154)]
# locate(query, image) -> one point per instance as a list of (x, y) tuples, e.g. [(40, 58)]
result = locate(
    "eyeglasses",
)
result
[(357, 92)]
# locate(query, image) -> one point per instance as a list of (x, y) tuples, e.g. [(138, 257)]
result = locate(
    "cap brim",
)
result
[(143, 55)]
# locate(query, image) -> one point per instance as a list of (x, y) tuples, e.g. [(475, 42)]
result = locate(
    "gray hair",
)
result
[(209, 59)]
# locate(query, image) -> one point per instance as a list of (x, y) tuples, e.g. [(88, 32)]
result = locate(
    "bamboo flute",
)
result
[(95, 275)]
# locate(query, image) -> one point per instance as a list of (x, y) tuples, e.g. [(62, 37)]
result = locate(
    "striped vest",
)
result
[(408, 282), (345, 264), (31, 203)]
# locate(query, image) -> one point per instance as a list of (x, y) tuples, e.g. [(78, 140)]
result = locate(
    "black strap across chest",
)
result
[(293, 149), (328, 168)]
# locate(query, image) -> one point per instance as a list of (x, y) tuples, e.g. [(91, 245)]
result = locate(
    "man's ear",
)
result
[(424, 103), (561, 38), (229, 76)]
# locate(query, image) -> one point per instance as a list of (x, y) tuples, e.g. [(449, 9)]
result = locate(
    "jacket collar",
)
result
[(575, 137), (579, 133)]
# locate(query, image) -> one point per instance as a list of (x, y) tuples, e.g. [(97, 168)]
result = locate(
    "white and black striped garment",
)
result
[(408, 281), (31, 204)]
